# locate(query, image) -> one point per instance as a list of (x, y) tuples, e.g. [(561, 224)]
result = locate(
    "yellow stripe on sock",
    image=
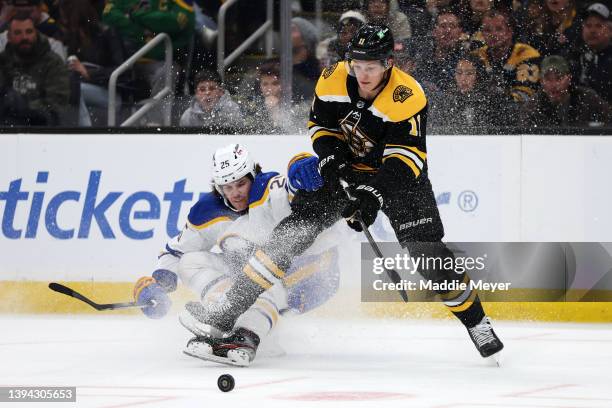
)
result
[(256, 277), (268, 263)]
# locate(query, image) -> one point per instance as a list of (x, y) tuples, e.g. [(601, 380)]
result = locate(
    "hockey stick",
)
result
[(65, 290), (391, 273)]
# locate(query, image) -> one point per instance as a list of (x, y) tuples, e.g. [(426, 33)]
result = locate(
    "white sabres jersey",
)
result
[(210, 221)]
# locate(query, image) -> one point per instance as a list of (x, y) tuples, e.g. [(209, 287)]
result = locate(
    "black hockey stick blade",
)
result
[(391, 273), (65, 290)]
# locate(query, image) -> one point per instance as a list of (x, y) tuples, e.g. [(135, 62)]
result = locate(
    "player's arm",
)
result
[(190, 239), (324, 130), (404, 160), (404, 157), (200, 233), (328, 141)]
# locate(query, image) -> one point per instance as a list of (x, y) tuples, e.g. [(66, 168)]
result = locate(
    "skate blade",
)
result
[(495, 360), (217, 359), (198, 328)]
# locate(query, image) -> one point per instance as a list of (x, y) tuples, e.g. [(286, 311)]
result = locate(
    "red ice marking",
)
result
[(529, 393), (142, 402), (272, 382), (342, 396)]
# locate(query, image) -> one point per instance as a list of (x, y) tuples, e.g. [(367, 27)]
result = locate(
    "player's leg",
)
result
[(239, 346), (311, 214), (202, 272), (415, 218)]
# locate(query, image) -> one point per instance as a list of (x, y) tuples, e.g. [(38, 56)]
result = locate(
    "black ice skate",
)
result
[(485, 339), (212, 320), (238, 348)]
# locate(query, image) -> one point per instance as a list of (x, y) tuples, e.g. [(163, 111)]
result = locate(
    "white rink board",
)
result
[(502, 188)]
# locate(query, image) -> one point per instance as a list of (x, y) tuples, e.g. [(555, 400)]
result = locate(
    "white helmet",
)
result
[(231, 163)]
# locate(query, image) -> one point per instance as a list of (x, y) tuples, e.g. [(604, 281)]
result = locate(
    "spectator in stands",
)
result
[(470, 101), (266, 114), (531, 18), (420, 19), (212, 106), (442, 50), (512, 67), (332, 49), (96, 51), (560, 103), (139, 21), (472, 14), (44, 23), (427, 18), (561, 27), (381, 12), (306, 66), (594, 58), (37, 89)]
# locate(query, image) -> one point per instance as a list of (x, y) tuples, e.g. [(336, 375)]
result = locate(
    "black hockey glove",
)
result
[(333, 168), (365, 203)]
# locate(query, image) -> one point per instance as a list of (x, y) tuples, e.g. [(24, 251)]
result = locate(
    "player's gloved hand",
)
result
[(148, 290), (366, 201), (333, 168), (166, 279), (304, 175)]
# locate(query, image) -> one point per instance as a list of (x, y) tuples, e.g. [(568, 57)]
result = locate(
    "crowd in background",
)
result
[(482, 63)]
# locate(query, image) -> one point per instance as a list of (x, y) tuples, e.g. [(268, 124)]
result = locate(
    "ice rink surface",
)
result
[(117, 361)]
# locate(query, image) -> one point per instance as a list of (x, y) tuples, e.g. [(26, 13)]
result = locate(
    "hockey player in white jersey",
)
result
[(223, 229)]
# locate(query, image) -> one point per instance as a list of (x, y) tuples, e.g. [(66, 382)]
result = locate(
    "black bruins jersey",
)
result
[(384, 136)]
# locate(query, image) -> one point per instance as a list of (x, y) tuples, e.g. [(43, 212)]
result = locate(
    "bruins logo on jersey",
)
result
[(359, 143), (401, 93), (329, 70)]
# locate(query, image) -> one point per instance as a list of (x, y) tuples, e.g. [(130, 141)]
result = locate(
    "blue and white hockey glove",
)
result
[(304, 174), (154, 290), (366, 200)]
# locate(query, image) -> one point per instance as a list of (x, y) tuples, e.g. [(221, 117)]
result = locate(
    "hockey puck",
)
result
[(226, 382)]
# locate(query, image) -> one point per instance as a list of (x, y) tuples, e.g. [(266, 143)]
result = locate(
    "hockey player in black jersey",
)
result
[(367, 125)]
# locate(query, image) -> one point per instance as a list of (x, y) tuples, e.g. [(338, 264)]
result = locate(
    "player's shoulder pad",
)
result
[(209, 210), (522, 52), (402, 98), (260, 188), (331, 86)]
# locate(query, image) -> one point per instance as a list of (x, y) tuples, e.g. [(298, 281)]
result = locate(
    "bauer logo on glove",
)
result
[(365, 203)]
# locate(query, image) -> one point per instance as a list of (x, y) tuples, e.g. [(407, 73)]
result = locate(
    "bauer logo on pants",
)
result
[(411, 224)]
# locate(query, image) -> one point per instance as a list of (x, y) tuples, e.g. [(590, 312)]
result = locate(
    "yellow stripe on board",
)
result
[(577, 312), (36, 298)]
